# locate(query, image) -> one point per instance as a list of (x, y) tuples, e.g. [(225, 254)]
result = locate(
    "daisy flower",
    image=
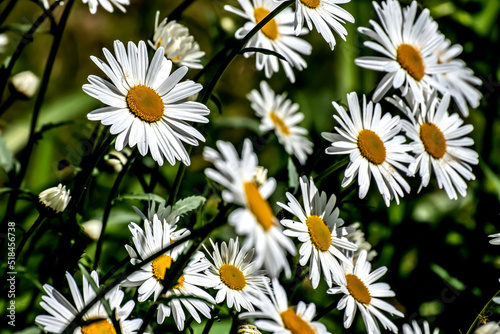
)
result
[(55, 199), (361, 292), (325, 15), (150, 278), (408, 50), (62, 312), (146, 103), (491, 327), (358, 238), (276, 35), (438, 143), (156, 236), (281, 115), (235, 276), (276, 316), (461, 81), (415, 328), (319, 229), (496, 239), (180, 47), (245, 185), (188, 294), (373, 146), (106, 4)]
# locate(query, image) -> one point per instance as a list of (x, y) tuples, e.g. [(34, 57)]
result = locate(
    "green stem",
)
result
[(239, 46), (36, 224), (7, 10), (325, 311), (24, 159), (178, 179), (338, 164), (482, 313), (211, 321), (176, 13), (109, 203)]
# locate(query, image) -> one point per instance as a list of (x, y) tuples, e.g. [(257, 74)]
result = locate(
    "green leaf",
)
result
[(187, 204), (141, 197), (293, 176), (493, 182)]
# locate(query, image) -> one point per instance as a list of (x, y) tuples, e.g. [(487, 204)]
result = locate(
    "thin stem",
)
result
[(178, 179), (325, 311), (109, 203), (147, 319), (239, 46), (36, 224), (24, 160), (6, 105), (176, 13), (211, 321), (7, 10), (482, 313)]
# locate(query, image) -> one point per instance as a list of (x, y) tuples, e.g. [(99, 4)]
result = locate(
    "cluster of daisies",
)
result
[(147, 104)]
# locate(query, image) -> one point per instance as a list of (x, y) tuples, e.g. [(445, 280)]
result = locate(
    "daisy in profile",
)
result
[(276, 35), (146, 103), (439, 143), (106, 4), (180, 47), (320, 230), (274, 314), (247, 185), (96, 320), (461, 81), (150, 278), (408, 50), (235, 276), (374, 148), (281, 115), (325, 15), (415, 328), (360, 292)]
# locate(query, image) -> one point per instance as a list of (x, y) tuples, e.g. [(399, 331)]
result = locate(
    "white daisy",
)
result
[(276, 35), (490, 327), (325, 15), (255, 220), (438, 143), (407, 47), (282, 116), (358, 238), (235, 276), (156, 236), (146, 103), (415, 328), (319, 230), (107, 5), (188, 294), (496, 239), (55, 199), (461, 81), (374, 148), (62, 312), (361, 292), (276, 316), (180, 47)]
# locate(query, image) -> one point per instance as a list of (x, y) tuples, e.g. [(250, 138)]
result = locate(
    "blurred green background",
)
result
[(441, 265)]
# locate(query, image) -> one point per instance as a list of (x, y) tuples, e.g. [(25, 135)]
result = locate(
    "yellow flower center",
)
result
[(358, 289), (259, 207), (145, 103), (294, 323), (311, 3), (319, 232), (180, 282), (411, 60), (160, 266), (433, 139), (279, 123), (270, 29), (232, 277), (371, 146), (102, 326)]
